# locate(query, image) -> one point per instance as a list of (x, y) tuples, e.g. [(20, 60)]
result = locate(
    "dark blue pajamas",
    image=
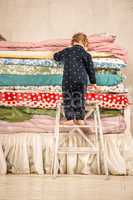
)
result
[(78, 66)]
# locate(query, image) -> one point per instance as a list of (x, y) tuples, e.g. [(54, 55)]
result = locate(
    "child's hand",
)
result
[(94, 87)]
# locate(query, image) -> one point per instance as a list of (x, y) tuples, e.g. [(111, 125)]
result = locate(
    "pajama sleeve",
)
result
[(59, 56), (90, 68)]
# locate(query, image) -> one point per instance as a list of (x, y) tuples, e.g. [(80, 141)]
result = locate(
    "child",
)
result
[(77, 65)]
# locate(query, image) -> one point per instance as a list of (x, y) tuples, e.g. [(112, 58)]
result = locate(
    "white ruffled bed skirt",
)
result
[(32, 153)]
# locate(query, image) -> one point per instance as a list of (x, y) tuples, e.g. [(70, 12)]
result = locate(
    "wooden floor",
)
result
[(65, 188)]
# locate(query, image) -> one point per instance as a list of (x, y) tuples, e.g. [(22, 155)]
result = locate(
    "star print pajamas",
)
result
[(77, 65)]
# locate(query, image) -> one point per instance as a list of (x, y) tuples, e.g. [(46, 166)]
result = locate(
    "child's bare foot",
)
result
[(68, 122), (79, 122)]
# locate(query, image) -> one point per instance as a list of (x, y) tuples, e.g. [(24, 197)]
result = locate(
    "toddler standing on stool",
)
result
[(78, 66)]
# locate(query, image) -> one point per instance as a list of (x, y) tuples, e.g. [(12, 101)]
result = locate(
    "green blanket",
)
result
[(14, 114)]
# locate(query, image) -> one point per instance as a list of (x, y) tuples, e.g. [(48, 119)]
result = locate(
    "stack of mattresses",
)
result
[(28, 71), (30, 86)]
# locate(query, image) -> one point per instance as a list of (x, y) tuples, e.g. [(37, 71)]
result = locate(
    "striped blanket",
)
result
[(98, 62)]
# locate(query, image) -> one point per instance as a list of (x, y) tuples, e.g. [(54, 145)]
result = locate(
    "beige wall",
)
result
[(35, 20)]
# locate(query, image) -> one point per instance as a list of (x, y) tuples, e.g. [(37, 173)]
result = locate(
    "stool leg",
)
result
[(103, 149), (97, 144), (56, 142)]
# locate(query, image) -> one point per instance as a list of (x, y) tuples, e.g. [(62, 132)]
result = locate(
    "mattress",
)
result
[(50, 100)]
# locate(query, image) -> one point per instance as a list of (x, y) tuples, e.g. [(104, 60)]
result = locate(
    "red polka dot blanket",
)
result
[(50, 100)]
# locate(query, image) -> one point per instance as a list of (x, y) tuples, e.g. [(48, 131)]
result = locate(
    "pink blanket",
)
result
[(44, 123), (101, 43), (55, 43)]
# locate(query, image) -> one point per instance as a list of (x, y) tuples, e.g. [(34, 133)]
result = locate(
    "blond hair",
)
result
[(80, 37)]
